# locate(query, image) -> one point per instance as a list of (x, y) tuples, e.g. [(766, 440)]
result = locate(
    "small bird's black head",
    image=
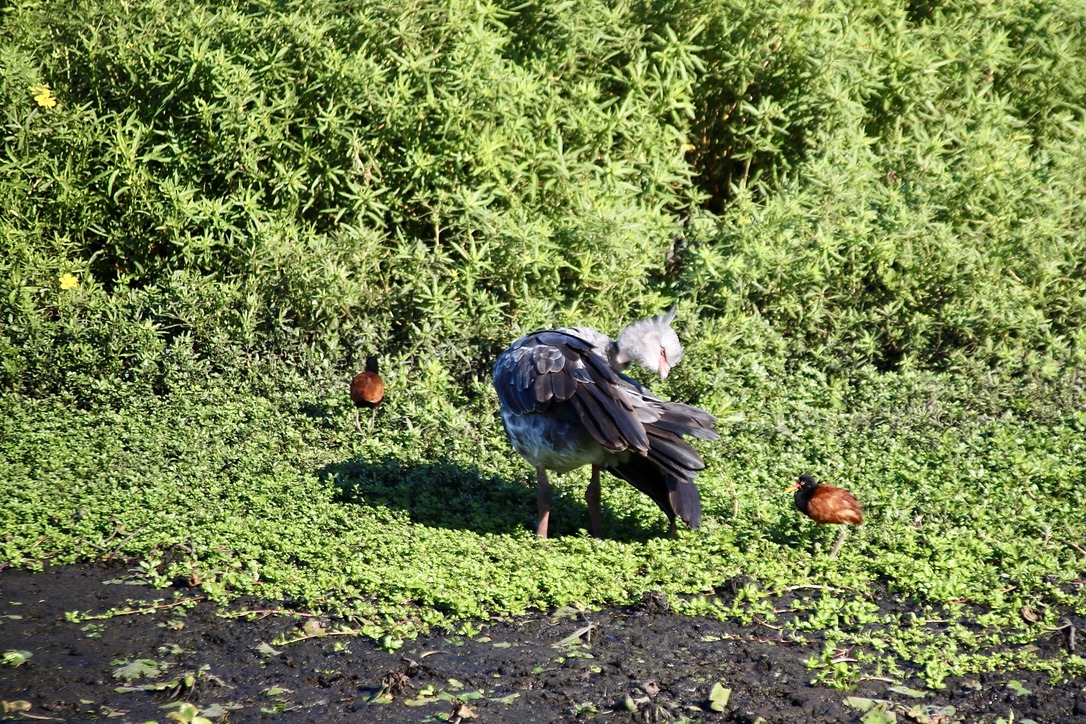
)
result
[(805, 487), (371, 363)]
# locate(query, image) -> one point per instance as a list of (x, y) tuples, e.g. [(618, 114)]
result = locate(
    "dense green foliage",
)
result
[(914, 189), (248, 182), (871, 215)]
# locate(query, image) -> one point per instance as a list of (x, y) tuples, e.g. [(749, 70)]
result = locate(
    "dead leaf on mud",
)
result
[(313, 627), (267, 649), (1030, 615), (460, 713)]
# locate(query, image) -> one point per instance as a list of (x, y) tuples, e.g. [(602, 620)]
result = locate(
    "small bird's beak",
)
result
[(795, 486)]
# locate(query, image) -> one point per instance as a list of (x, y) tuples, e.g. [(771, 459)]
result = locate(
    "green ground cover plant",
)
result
[(871, 215), (972, 499)]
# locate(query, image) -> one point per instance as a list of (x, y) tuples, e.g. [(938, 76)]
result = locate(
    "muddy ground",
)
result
[(641, 664)]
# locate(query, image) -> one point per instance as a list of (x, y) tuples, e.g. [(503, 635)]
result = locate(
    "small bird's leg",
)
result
[(840, 540), (373, 417), (357, 422), (543, 501), (592, 498)]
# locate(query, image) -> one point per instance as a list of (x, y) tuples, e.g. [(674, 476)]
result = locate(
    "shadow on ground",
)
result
[(448, 495)]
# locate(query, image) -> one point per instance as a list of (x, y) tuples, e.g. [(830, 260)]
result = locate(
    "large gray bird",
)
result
[(565, 403)]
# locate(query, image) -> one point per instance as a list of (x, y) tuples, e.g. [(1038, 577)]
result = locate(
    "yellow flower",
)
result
[(69, 281), (43, 95)]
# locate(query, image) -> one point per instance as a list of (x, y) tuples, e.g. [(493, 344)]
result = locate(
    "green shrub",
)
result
[(300, 183), (386, 176), (936, 209)]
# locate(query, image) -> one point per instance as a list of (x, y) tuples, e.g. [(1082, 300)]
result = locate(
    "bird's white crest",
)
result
[(652, 343)]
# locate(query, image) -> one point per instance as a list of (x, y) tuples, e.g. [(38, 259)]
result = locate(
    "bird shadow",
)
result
[(440, 494), (444, 494), (790, 530)]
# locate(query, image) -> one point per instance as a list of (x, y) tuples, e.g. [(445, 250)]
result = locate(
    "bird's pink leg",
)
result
[(357, 422), (592, 498), (543, 501)]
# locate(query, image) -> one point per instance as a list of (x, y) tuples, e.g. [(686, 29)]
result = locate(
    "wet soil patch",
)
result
[(637, 664)]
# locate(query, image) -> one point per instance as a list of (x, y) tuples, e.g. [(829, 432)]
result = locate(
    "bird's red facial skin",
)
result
[(665, 366)]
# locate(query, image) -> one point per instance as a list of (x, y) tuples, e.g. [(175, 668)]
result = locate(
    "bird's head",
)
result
[(652, 343), (804, 482)]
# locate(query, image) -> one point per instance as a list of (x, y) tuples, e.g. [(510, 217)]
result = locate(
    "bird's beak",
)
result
[(665, 366), (795, 486)]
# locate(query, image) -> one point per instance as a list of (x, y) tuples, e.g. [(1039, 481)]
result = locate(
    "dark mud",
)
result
[(640, 664)]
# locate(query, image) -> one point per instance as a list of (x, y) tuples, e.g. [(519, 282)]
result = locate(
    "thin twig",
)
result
[(127, 538), (760, 639), (1070, 633), (322, 634), (265, 612), (575, 636), (146, 609)]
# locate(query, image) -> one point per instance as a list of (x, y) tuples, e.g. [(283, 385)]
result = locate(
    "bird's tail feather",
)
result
[(674, 495)]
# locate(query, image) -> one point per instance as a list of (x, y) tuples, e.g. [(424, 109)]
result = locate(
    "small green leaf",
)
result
[(906, 691), (718, 697), (138, 668), (859, 702), (1016, 686), (879, 715), (14, 657), (419, 701)]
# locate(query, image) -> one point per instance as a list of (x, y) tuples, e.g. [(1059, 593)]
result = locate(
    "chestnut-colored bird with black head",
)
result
[(367, 390), (827, 504)]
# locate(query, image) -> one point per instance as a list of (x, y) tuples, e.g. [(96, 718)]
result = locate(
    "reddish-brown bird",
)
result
[(827, 504), (367, 390)]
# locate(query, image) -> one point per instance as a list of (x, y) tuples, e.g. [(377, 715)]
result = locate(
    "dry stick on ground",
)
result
[(1066, 624), (321, 634), (265, 612), (146, 609), (575, 636)]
